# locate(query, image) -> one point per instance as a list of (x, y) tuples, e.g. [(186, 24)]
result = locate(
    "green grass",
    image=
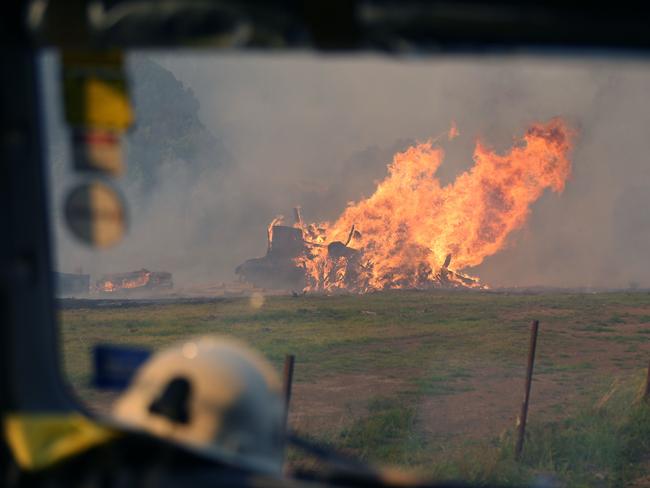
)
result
[(448, 382), (423, 348), (601, 445), (598, 446), (387, 435), (551, 368)]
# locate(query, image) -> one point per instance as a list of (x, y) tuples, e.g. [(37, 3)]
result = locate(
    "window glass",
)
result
[(397, 225)]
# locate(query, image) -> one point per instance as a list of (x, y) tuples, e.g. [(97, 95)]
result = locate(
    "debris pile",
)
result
[(134, 281), (297, 259), (279, 268)]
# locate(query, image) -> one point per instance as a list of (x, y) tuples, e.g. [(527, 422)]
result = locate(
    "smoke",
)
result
[(319, 131)]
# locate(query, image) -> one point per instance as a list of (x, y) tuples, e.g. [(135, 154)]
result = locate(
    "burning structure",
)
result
[(142, 280), (279, 268), (340, 266), (406, 233)]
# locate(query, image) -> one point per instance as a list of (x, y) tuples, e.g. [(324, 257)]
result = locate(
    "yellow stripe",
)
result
[(97, 102), (95, 90), (41, 440)]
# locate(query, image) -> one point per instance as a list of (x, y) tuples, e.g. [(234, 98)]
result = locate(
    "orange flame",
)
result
[(107, 286), (110, 286), (406, 229), (142, 280)]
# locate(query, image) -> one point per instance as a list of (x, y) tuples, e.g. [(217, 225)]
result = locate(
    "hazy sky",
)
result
[(316, 131)]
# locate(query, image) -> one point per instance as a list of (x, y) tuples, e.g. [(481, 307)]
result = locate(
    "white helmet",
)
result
[(214, 396)]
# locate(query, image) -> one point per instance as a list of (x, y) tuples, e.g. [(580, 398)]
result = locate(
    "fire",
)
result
[(404, 234), (135, 280), (142, 280)]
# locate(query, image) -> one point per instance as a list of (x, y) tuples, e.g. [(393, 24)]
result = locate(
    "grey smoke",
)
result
[(318, 131)]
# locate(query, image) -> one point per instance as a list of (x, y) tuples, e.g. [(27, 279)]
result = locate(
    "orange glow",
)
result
[(114, 285), (142, 280), (107, 286), (405, 230)]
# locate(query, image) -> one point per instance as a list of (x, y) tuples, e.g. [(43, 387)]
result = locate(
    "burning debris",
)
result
[(339, 266), (406, 233), (134, 281)]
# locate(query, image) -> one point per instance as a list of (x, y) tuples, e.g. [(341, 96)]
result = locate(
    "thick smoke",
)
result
[(319, 131)]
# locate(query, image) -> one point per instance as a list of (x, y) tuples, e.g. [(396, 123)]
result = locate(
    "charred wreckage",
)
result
[(141, 280), (294, 260)]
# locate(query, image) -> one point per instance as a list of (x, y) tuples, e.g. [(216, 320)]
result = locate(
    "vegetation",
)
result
[(168, 129), (431, 380), (605, 445)]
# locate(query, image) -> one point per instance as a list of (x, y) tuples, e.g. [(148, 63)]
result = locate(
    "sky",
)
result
[(318, 131)]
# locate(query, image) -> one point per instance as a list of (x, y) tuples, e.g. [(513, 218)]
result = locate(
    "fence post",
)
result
[(523, 415), (289, 360)]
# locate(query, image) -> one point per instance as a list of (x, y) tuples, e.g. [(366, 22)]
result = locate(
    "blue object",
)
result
[(116, 365)]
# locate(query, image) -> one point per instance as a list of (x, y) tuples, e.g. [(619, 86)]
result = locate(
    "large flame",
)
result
[(407, 228)]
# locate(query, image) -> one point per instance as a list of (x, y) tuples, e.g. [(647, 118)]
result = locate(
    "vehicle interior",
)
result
[(407, 330)]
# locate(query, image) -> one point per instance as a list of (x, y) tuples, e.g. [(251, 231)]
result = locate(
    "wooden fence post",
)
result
[(523, 415)]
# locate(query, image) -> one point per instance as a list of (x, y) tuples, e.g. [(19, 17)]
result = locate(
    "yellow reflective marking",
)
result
[(95, 90), (41, 440), (97, 102)]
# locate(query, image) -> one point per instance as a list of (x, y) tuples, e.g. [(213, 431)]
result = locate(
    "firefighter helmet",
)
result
[(213, 396)]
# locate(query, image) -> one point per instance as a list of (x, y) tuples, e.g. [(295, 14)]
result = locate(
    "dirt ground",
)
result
[(592, 366)]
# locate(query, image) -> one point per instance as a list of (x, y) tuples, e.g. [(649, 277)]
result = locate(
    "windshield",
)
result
[(396, 225)]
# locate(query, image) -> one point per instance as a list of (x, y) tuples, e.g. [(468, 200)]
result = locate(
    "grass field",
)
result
[(431, 381)]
